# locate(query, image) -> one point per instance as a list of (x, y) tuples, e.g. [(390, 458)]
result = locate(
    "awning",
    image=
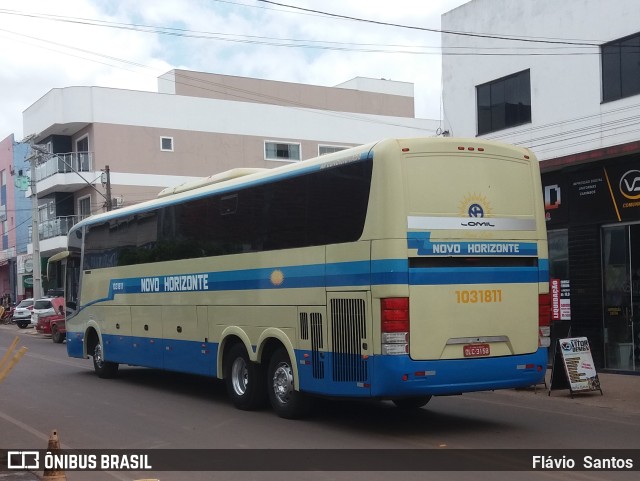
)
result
[(59, 256), (56, 258)]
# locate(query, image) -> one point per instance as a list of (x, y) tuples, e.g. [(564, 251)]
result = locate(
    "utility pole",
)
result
[(107, 185), (35, 230)]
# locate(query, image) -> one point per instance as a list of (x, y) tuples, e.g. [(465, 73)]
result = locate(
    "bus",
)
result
[(399, 270)]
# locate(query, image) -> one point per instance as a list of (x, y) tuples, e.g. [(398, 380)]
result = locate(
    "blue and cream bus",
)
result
[(398, 270)]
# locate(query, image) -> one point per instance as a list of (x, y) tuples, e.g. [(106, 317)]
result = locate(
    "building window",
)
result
[(84, 158), (84, 207), (166, 144), (621, 68), (504, 103), (329, 149), (281, 151)]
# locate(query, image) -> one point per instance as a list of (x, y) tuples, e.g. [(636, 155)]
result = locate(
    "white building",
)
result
[(569, 89)]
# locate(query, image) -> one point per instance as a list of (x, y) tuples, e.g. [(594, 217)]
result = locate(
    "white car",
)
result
[(46, 307), (22, 313)]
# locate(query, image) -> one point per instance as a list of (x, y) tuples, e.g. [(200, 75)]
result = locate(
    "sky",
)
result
[(127, 44)]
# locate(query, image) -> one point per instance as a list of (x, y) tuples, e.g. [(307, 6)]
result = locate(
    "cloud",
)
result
[(40, 54)]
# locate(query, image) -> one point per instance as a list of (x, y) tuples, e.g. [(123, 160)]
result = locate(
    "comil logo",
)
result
[(630, 184), (474, 205)]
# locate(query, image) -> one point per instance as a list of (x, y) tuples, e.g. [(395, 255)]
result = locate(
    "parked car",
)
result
[(53, 325), (46, 307), (22, 313)]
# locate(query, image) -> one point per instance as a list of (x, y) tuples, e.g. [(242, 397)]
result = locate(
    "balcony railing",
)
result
[(59, 226), (65, 163)]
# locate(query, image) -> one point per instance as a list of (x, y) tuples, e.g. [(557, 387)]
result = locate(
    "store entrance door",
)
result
[(621, 275)]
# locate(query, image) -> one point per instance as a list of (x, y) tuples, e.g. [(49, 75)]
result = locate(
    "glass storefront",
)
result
[(621, 296)]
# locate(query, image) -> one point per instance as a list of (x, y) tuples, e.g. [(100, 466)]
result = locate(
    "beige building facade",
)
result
[(196, 125)]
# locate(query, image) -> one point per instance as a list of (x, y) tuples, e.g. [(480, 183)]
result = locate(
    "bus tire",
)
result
[(412, 402), (104, 369), (285, 400), (244, 379), (56, 335)]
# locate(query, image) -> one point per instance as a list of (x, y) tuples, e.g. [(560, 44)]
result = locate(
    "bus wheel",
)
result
[(245, 380), (412, 402), (104, 369), (285, 400)]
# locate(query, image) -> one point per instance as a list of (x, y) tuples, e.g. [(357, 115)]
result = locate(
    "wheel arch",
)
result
[(273, 339), (229, 337), (92, 337)]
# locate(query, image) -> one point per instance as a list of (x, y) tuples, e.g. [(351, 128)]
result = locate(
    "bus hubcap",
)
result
[(97, 355), (239, 376), (283, 382)]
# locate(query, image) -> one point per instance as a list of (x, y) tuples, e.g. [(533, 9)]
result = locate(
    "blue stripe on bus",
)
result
[(433, 276), (421, 241), (453, 376), (384, 376), (376, 376), (342, 274)]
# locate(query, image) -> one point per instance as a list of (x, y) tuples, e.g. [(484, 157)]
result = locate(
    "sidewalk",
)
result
[(620, 392)]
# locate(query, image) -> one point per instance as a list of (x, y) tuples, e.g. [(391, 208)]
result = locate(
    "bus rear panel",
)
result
[(477, 274)]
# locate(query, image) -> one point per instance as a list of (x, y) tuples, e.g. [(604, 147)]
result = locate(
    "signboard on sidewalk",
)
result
[(579, 371)]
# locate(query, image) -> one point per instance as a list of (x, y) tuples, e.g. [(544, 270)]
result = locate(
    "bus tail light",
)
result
[(394, 322), (544, 320)]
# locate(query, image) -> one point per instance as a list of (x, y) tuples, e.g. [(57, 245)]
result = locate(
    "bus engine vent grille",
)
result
[(347, 333), (304, 326), (317, 341)]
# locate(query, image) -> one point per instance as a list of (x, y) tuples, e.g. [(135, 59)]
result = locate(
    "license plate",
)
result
[(476, 350)]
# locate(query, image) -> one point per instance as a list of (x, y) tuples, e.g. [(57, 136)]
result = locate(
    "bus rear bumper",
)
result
[(400, 376)]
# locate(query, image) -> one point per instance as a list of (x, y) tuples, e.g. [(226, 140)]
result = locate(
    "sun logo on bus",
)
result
[(277, 277), (474, 205)]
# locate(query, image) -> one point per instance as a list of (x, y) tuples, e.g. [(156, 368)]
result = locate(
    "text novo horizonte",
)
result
[(476, 248), (180, 283)]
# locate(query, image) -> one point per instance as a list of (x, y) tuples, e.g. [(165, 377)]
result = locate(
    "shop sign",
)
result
[(560, 300), (24, 263), (606, 194)]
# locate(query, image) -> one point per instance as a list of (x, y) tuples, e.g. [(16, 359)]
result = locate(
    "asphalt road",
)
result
[(150, 409)]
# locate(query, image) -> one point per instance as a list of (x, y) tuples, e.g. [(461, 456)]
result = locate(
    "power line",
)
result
[(435, 30), (312, 44), (249, 95)]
